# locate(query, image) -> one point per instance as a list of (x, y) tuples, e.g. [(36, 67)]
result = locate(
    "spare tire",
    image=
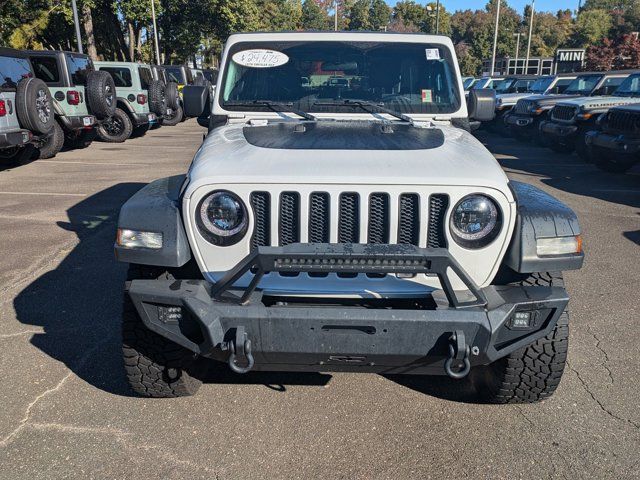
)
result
[(171, 95), (34, 106), (157, 101), (101, 94)]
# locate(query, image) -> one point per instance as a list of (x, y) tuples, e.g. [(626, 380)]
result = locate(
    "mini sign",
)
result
[(576, 55), (260, 58)]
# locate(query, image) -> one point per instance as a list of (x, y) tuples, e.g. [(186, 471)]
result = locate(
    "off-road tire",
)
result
[(51, 145), (34, 106), (154, 366), (602, 158), (175, 118), (107, 134), (82, 140), (101, 94), (171, 95), (157, 102), (532, 373), (13, 157)]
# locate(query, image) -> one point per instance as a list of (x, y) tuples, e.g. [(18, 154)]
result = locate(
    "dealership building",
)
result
[(565, 60)]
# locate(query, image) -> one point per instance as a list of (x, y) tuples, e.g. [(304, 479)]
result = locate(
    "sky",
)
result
[(518, 5)]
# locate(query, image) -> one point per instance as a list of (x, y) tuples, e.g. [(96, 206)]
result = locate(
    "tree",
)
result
[(429, 23), (313, 16), (592, 26), (621, 53), (358, 13), (379, 15), (410, 14)]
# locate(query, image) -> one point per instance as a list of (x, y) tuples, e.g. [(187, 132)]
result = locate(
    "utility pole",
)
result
[(526, 63), (77, 23), (517, 50), (495, 39), (437, 16), (335, 16), (155, 32)]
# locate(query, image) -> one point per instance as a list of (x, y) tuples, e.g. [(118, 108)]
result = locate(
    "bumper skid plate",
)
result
[(250, 332)]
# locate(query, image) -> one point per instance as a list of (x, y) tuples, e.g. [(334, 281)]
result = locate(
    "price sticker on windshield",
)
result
[(432, 53), (260, 58)]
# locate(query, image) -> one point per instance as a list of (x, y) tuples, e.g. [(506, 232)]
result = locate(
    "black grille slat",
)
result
[(522, 107), (378, 231), (349, 218), (563, 112), (438, 205), (622, 121), (409, 219), (289, 218), (261, 204), (319, 219)]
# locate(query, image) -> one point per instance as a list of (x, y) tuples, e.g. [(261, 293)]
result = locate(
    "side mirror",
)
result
[(481, 104), (194, 100)]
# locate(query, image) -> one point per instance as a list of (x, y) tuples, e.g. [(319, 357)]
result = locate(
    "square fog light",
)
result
[(138, 239)]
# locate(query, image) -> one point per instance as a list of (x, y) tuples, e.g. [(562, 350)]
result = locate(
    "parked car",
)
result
[(361, 239), (26, 108), (82, 98), (548, 85), (525, 118), (570, 120), (615, 147), (211, 74), (140, 100), (181, 75), (171, 96)]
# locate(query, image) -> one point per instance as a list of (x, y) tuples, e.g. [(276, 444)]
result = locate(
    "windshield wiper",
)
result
[(277, 107), (366, 105)]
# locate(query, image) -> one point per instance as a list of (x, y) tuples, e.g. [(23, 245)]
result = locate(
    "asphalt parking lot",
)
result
[(67, 411)]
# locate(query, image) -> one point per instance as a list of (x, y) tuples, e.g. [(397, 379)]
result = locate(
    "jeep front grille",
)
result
[(387, 217), (563, 113), (522, 107), (621, 121)]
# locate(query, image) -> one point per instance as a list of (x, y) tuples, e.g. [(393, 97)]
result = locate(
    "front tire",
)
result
[(53, 143), (531, 373), (116, 129)]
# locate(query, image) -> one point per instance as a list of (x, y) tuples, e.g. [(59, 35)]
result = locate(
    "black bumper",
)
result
[(17, 138), (207, 318), (77, 122), (558, 131), (617, 143), (140, 119)]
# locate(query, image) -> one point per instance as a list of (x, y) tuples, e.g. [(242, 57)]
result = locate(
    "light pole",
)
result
[(495, 39), (335, 16), (155, 32), (77, 23), (526, 63), (517, 50), (437, 16)]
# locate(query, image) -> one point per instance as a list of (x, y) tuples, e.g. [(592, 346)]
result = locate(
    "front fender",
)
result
[(156, 208)]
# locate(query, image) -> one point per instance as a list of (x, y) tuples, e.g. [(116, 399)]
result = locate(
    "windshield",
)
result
[(630, 87), (175, 75), (468, 82), (583, 85), (405, 77), (541, 85), (505, 85)]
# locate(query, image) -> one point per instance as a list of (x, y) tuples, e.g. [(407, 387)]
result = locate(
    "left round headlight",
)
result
[(475, 221), (222, 218)]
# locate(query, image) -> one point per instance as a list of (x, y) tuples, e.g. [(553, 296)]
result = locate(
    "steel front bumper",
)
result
[(616, 143), (522, 121), (558, 131), (215, 321), (16, 138)]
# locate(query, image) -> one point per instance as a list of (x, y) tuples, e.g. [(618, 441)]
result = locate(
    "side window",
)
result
[(562, 84), (46, 69), (79, 67), (121, 75), (145, 77), (613, 81), (12, 70)]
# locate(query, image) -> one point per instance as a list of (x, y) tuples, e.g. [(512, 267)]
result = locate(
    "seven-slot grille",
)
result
[(522, 107), (622, 121), (408, 224), (563, 112)]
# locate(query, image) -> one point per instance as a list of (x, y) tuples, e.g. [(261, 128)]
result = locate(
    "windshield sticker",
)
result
[(426, 96), (432, 53), (259, 58)]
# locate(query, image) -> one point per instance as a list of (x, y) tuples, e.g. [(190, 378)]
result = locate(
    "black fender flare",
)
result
[(123, 104)]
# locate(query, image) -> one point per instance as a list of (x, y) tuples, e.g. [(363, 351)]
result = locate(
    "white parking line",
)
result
[(93, 163), (46, 194)]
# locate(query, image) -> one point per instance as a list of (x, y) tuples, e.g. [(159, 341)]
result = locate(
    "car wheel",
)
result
[(116, 129), (52, 144), (140, 131), (101, 94), (612, 163), (175, 117), (34, 106), (532, 373), (81, 139)]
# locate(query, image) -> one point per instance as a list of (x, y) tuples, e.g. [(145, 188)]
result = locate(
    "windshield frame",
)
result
[(268, 41), (568, 91)]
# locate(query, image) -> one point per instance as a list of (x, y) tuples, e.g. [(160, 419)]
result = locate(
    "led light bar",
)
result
[(559, 246), (138, 239)]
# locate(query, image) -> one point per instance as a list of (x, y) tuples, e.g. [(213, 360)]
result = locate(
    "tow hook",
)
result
[(458, 352), (240, 349)]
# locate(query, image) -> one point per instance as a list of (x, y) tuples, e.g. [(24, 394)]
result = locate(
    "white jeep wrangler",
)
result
[(345, 226)]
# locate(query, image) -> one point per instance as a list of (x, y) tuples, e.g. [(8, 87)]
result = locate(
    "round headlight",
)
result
[(222, 218), (475, 221)]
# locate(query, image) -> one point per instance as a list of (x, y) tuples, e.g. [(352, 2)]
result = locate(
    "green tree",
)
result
[(379, 15), (358, 13), (410, 14), (313, 16), (592, 26), (429, 24)]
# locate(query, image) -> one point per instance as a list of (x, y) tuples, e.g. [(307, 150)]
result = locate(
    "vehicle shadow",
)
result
[(563, 172), (439, 386), (78, 304)]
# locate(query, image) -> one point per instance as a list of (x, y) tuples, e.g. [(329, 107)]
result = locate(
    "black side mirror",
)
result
[(481, 104), (195, 99)]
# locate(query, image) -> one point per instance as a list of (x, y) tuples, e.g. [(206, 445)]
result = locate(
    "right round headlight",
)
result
[(475, 221), (222, 218)]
